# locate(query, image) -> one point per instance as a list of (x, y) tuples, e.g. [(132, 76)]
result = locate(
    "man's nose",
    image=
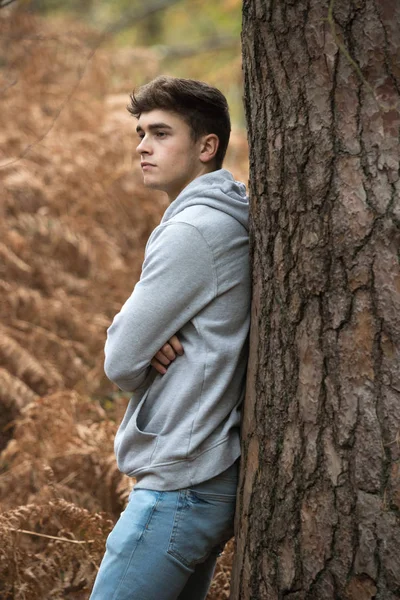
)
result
[(143, 147)]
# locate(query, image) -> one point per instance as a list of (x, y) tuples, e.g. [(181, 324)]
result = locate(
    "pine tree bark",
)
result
[(318, 513)]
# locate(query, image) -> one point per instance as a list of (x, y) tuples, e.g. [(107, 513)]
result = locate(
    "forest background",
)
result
[(74, 220)]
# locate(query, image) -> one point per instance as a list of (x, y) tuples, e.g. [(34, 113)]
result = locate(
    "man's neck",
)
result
[(203, 171)]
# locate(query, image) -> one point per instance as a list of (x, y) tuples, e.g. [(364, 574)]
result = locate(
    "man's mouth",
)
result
[(146, 165)]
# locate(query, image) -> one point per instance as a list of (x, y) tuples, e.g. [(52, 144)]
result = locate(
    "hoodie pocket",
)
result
[(134, 448)]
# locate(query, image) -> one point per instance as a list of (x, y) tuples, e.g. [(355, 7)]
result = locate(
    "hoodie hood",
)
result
[(218, 190)]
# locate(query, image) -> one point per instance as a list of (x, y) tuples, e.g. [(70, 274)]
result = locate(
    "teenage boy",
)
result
[(180, 346)]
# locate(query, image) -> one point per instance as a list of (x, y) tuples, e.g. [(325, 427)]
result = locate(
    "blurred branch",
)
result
[(208, 45), (4, 3), (81, 71)]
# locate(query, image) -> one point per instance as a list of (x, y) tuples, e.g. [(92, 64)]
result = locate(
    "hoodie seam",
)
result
[(224, 440), (201, 391)]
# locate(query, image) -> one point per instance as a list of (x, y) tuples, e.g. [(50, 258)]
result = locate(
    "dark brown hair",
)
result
[(203, 107)]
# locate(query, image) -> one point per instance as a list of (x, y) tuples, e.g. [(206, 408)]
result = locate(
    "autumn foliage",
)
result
[(74, 221)]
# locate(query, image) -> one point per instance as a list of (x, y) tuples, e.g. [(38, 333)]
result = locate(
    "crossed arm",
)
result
[(177, 281)]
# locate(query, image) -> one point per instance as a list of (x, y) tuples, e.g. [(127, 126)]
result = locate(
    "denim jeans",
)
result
[(165, 544)]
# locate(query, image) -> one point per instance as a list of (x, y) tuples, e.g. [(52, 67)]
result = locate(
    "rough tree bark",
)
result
[(318, 515)]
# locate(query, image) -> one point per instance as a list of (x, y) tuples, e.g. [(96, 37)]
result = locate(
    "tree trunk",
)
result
[(318, 515)]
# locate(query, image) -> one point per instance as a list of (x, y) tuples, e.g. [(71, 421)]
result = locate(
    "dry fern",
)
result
[(51, 237), (60, 463), (71, 435), (14, 393), (61, 556), (24, 366)]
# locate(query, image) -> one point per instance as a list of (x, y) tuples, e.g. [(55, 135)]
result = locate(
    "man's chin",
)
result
[(153, 185)]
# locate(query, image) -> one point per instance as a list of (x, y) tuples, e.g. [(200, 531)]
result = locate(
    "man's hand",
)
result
[(167, 354)]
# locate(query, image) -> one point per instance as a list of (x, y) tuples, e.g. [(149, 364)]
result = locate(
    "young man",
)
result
[(180, 345)]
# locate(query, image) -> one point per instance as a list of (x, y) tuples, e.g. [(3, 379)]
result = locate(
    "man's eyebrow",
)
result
[(154, 126)]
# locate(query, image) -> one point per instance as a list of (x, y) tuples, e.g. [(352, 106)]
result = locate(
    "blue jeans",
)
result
[(165, 544)]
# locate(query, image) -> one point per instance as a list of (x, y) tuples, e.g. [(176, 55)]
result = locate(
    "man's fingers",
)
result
[(158, 366), (163, 358), (176, 345), (168, 351), (167, 354)]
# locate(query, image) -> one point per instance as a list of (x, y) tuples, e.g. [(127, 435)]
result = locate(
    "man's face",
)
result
[(169, 156)]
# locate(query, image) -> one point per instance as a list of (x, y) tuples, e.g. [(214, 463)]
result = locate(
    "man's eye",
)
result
[(161, 134)]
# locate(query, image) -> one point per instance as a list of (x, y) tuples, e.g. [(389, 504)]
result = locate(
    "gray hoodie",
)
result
[(182, 428)]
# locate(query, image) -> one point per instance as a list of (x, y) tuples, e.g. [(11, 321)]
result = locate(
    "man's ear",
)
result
[(208, 148)]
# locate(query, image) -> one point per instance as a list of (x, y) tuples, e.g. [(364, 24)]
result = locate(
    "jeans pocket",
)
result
[(211, 497), (200, 524)]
